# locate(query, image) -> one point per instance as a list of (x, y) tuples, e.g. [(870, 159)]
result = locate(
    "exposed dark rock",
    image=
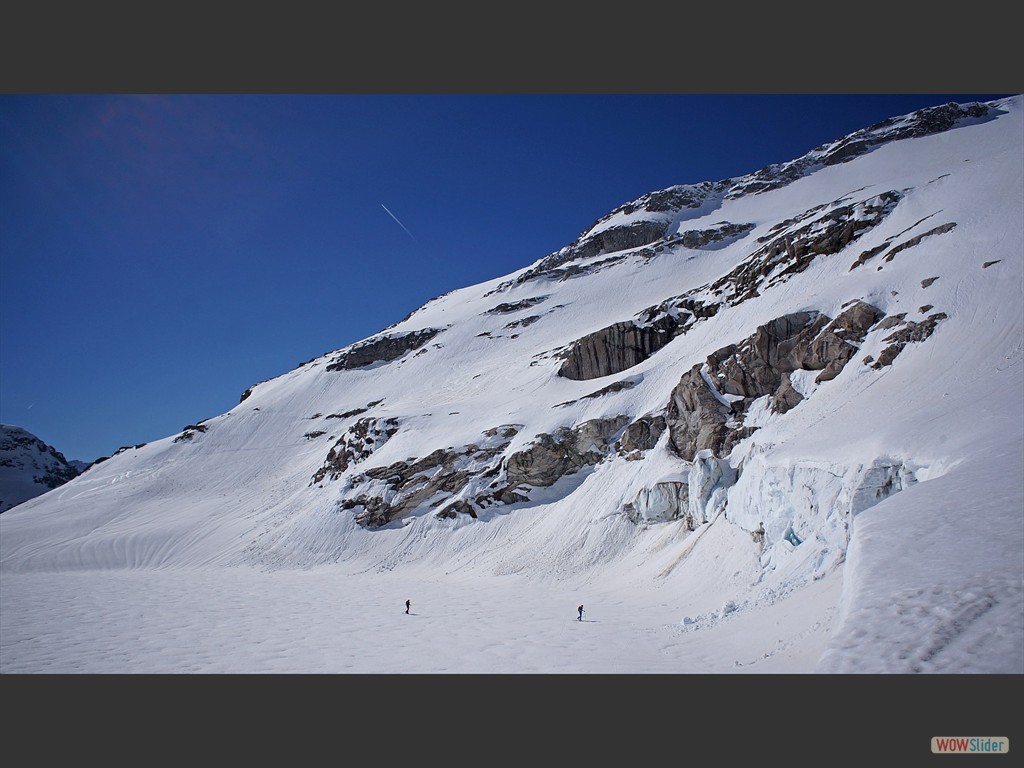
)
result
[(754, 367), (187, 433), (892, 321), (459, 506), (940, 230), (354, 411), (642, 435), (122, 449), (705, 408), (346, 414), (671, 199), (438, 478), (674, 199), (907, 333), (610, 240), (623, 237), (358, 442), (617, 386), (867, 255), (833, 348), (928, 281), (619, 347), (505, 308), (616, 348), (524, 322), (506, 430), (921, 123), (382, 349), (565, 272), (701, 238), (620, 239), (789, 223), (924, 308), (697, 419), (891, 254), (564, 453), (794, 250), (785, 398), (988, 264)]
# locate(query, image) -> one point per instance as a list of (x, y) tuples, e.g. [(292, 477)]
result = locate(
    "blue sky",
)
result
[(160, 254)]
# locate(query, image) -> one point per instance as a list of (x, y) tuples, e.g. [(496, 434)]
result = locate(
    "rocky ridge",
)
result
[(29, 467)]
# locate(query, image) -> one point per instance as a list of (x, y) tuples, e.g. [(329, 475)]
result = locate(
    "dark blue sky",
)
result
[(160, 254)]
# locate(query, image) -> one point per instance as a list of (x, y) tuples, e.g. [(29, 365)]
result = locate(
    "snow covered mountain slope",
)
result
[(811, 372), (29, 467)]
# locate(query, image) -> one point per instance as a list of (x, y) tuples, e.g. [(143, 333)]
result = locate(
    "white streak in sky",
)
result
[(399, 223)]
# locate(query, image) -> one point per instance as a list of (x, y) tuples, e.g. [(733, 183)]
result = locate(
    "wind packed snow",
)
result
[(876, 526)]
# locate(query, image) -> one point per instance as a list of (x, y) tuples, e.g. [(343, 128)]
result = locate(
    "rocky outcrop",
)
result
[(921, 123), (350, 413), (414, 483), (907, 332), (457, 481), (641, 231), (563, 453), (614, 239), (526, 321), (755, 366), (506, 307), (793, 248), (603, 236), (891, 253), (702, 238), (706, 408), (664, 206), (616, 386), (189, 432), (620, 238), (822, 231), (671, 199), (623, 345), (616, 348), (642, 435), (478, 476), (698, 418), (356, 445), (382, 349)]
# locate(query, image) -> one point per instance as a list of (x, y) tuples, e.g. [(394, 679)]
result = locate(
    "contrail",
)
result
[(399, 223)]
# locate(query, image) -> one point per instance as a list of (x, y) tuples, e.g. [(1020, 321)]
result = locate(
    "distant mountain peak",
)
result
[(29, 467)]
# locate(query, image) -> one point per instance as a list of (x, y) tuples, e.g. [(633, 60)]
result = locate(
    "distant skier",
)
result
[(580, 609), (407, 604)]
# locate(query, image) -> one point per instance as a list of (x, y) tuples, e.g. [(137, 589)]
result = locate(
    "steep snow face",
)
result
[(29, 467), (454, 440)]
